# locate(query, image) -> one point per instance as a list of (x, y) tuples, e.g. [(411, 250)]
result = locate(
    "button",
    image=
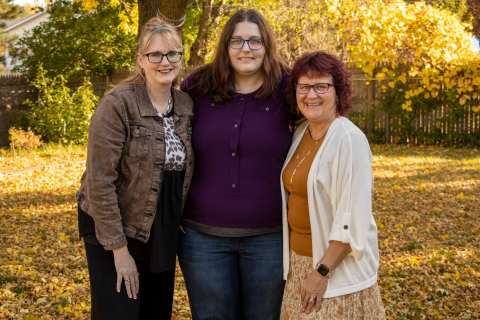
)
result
[(233, 186), (185, 187), (137, 131), (213, 104), (233, 154), (267, 109), (236, 125), (241, 98), (188, 138), (345, 227)]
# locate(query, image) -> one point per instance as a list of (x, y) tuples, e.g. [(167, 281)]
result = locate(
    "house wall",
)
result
[(20, 30)]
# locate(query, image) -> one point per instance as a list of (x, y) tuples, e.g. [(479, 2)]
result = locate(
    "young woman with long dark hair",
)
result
[(231, 251)]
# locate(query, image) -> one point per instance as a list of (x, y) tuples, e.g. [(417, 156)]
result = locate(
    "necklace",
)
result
[(169, 107), (301, 146)]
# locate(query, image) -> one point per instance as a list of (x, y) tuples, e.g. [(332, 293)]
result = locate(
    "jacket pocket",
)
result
[(139, 141)]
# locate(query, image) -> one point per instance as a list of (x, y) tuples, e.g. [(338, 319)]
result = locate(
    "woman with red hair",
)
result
[(330, 236)]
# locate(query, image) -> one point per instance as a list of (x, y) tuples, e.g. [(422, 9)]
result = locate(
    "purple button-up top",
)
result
[(240, 147)]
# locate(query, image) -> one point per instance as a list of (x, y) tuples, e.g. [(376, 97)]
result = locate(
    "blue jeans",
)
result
[(232, 278)]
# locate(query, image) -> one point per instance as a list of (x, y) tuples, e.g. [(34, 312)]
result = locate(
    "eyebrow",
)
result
[(252, 37), (162, 52)]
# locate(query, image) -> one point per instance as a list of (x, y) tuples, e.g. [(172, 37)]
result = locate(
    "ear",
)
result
[(140, 60)]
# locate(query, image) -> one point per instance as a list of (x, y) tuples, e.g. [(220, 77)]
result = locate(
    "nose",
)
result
[(246, 47), (164, 61), (312, 94)]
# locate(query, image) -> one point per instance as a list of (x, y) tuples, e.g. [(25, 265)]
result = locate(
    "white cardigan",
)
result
[(340, 206)]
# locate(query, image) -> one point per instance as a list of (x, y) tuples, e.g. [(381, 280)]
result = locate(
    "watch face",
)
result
[(323, 270)]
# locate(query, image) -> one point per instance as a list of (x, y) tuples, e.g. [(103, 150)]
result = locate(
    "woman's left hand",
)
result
[(314, 289)]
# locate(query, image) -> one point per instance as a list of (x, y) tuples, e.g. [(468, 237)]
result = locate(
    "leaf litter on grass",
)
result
[(48, 155), (425, 204)]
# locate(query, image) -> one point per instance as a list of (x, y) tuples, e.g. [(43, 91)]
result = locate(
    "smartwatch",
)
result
[(324, 270)]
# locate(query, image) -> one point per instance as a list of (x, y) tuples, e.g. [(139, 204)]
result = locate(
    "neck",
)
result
[(159, 95), (320, 128), (248, 83)]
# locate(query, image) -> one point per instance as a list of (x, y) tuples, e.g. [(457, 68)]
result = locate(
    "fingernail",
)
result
[(118, 291), (303, 310), (308, 312)]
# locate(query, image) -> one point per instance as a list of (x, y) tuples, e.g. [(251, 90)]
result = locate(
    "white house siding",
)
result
[(19, 27)]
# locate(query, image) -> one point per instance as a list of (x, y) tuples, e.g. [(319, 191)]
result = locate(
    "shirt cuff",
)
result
[(336, 235)]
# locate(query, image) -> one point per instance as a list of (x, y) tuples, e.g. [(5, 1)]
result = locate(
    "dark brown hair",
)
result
[(321, 64), (217, 77)]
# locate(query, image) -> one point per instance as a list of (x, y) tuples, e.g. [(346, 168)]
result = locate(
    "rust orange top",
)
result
[(298, 217)]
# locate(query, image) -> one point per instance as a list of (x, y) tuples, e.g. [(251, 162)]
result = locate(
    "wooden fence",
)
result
[(444, 124), (381, 125)]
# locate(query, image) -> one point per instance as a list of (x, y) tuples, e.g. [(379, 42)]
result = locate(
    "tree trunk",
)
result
[(172, 11), (198, 49), (474, 12)]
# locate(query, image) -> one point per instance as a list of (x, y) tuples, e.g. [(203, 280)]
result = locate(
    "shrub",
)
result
[(26, 140), (59, 115)]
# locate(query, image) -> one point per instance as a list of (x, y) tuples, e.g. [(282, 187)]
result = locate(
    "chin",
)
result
[(248, 71)]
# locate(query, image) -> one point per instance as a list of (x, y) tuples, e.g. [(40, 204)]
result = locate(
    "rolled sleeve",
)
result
[(353, 195)]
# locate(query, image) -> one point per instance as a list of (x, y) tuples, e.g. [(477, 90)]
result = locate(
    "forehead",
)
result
[(314, 79), (158, 44), (247, 30)]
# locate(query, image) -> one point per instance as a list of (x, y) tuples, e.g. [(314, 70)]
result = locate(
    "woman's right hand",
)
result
[(126, 271)]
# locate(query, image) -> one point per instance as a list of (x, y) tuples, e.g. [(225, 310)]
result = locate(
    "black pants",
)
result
[(154, 299)]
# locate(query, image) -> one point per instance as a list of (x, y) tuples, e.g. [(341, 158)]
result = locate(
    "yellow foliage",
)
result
[(432, 40), (23, 139), (128, 14)]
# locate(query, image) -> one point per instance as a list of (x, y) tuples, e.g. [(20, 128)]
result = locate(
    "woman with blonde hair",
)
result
[(138, 171)]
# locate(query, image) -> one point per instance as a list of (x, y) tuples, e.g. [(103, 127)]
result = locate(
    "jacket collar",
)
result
[(146, 108)]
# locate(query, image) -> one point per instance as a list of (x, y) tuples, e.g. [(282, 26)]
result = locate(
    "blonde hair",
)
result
[(154, 27)]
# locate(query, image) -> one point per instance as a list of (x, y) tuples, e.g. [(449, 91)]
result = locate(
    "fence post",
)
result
[(387, 127), (370, 123)]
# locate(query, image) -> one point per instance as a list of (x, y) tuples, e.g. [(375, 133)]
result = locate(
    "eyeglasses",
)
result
[(253, 44), (157, 57), (319, 88)]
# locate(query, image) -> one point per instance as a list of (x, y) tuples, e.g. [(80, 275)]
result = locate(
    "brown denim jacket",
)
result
[(121, 185)]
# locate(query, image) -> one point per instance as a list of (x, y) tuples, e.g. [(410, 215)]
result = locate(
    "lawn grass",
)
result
[(425, 203), (49, 154)]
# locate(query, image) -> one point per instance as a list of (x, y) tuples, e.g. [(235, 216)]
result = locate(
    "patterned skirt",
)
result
[(363, 305)]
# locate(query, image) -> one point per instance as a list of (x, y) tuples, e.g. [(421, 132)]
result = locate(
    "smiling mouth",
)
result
[(312, 105), (245, 59), (165, 71)]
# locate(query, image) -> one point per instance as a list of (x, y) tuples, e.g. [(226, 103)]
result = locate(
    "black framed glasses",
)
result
[(253, 44), (319, 88), (157, 57)]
